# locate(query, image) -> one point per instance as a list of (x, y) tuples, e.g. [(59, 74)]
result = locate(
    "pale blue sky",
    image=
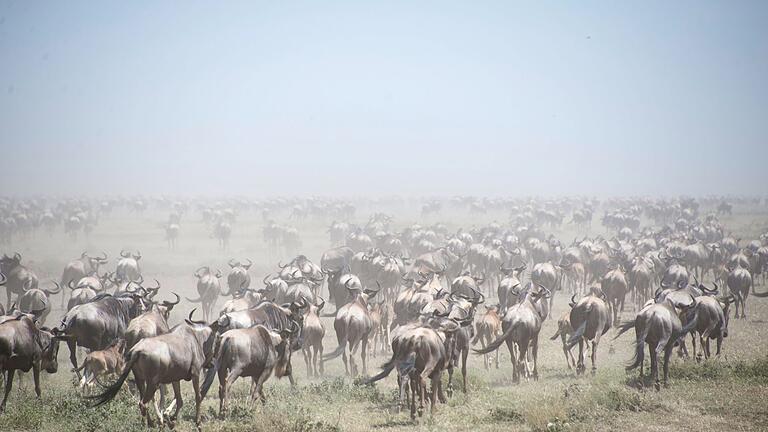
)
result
[(416, 97)]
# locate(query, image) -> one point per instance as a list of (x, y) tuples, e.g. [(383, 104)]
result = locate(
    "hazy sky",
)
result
[(411, 97)]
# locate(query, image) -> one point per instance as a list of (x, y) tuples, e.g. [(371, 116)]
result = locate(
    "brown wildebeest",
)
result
[(563, 330), (353, 327), (312, 335), (488, 328), (614, 285), (102, 363), (711, 322), (208, 288), (166, 359), (521, 325)]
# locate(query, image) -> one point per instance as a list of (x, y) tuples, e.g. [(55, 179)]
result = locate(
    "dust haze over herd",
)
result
[(395, 215)]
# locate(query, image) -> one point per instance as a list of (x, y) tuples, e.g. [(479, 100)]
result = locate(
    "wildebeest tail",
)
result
[(210, 374), (624, 327), (576, 336), (386, 369), (493, 346), (112, 390), (637, 360), (337, 352)]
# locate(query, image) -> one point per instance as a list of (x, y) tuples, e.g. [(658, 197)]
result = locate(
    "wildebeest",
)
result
[(238, 278), (208, 288), (509, 283), (166, 359), (488, 328), (422, 352), (128, 267), (24, 346), (520, 328), (253, 352), (564, 329), (80, 268), (94, 325), (659, 326), (312, 334), (614, 285), (18, 276), (712, 315), (102, 363), (353, 327), (590, 318), (151, 323), (36, 299)]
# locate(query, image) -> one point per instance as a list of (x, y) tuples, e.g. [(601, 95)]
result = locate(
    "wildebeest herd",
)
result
[(429, 297)]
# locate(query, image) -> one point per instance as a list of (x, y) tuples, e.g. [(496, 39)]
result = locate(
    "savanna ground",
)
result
[(729, 393)]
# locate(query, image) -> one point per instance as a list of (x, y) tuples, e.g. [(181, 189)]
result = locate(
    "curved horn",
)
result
[(104, 258), (124, 253), (218, 273), (250, 263), (3, 279), (56, 291), (266, 279), (71, 285), (198, 271), (280, 264), (232, 263), (178, 299), (321, 304), (573, 300)]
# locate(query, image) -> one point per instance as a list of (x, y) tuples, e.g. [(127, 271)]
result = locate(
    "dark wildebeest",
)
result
[(24, 346), (208, 287), (96, 324), (614, 285), (590, 319), (739, 281), (253, 352), (167, 359), (564, 329), (659, 326), (422, 352), (711, 322), (273, 316)]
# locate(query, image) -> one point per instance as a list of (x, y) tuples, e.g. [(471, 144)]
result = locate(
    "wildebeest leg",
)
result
[(8, 384), (566, 351), (36, 377), (198, 398), (72, 345), (580, 367), (464, 354), (654, 366), (486, 361), (148, 395), (435, 389), (515, 372), (260, 385), (305, 351), (593, 352), (319, 358), (414, 383), (667, 355), (523, 357), (231, 378), (364, 354), (719, 344), (178, 402), (535, 352)]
